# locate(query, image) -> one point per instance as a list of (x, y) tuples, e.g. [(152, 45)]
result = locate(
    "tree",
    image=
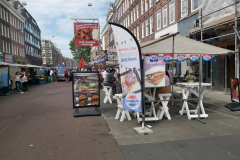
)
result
[(80, 52)]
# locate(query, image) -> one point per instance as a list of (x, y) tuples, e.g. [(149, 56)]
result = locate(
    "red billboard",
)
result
[(86, 34)]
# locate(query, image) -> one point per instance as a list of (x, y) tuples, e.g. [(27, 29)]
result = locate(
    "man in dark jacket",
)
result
[(109, 80)]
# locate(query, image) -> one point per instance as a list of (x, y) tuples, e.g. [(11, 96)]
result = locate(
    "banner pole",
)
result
[(143, 92), (172, 68)]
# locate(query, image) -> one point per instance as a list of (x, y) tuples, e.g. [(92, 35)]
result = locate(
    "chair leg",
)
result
[(128, 116), (118, 114), (123, 116)]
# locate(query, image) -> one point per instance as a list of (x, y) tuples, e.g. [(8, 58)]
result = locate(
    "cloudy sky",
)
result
[(54, 18)]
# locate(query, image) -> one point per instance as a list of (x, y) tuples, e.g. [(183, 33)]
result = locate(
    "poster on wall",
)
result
[(234, 89), (129, 58), (154, 72), (86, 89), (86, 34)]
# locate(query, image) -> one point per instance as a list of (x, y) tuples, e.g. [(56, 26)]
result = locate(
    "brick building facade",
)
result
[(12, 32), (149, 19)]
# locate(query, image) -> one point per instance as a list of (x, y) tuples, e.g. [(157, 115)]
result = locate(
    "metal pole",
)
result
[(172, 67), (143, 100), (200, 77), (236, 49)]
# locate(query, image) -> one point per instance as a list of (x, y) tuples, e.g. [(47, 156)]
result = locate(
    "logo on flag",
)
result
[(180, 58), (207, 57), (125, 42), (132, 101), (153, 58), (168, 57), (193, 58), (117, 43)]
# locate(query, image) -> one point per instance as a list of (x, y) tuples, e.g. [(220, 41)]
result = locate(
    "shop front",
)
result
[(7, 58), (1, 57), (18, 59)]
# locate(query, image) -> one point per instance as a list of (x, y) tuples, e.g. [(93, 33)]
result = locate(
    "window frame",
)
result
[(143, 23), (137, 10), (192, 10), (160, 17), (147, 27), (172, 5), (142, 7), (182, 8), (151, 24), (164, 25)]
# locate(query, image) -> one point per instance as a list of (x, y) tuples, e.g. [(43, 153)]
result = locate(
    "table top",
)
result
[(118, 95), (193, 84)]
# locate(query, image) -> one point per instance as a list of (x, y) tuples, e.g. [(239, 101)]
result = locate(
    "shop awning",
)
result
[(182, 45)]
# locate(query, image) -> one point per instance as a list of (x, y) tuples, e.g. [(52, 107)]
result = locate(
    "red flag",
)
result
[(83, 65), (80, 63)]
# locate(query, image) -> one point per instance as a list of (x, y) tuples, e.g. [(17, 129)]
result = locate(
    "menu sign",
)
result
[(234, 89), (86, 34), (154, 72), (86, 89)]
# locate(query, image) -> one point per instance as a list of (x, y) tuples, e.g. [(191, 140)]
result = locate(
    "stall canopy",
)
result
[(182, 45)]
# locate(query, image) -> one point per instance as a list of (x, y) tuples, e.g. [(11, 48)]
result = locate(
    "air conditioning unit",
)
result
[(195, 23)]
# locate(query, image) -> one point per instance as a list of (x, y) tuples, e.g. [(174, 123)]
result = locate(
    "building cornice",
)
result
[(13, 10)]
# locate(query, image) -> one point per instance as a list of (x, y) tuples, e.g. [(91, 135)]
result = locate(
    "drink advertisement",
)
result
[(234, 89), (86, 34), (154, 71), (129, 58), (86, 89)]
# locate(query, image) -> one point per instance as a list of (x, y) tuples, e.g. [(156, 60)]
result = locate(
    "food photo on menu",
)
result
[(86, 89)]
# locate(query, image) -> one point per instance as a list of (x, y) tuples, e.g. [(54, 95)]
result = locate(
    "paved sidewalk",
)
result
[(179, 138)]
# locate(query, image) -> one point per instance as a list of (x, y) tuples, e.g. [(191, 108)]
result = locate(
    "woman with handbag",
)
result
[(24, 82)]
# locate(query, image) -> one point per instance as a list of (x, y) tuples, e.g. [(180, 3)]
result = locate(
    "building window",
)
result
[(128, 21), (151, 3), (146, 5), (0, 12), (137, 32), (165, 16), (137, 11), (194, 4), (172, 11), (134, 15), (159, 19), (147, 27), (151, 24), (184, 8), (142, 29), (142, 7), (131, 16), (134, 31)]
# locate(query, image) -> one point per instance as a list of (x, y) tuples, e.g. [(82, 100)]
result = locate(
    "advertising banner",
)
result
[(193, 57), (207, 57), (86, 34), (154, 72), (234, 89), (180, 58), (168, 57), (129, 56), (86, 89)]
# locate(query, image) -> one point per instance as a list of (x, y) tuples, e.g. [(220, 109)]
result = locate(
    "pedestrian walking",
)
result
[(66, 75), (51, 74), (18, 82), (24, 82)]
